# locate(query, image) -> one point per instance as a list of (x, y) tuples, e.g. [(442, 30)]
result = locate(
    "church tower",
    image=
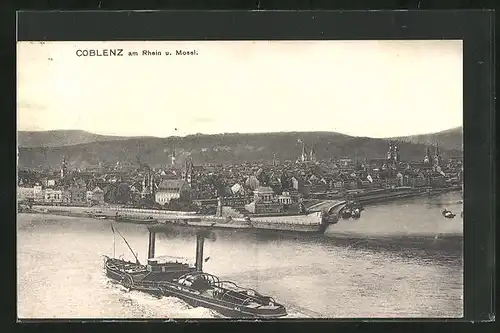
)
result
[(396, 154), (312, 154), (303, 157), (389, 152), (427, 157), (144, 188), (188, 173), (151, 184), (173, 155), (437, 157), (147, 184), (64, 168)]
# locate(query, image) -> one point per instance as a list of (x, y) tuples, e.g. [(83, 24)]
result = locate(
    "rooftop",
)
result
[(171, 183), (263, 189)]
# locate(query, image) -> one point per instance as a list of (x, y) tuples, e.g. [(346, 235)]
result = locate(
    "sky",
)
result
[(360, 88)]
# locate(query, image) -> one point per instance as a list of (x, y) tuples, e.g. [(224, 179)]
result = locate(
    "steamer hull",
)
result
[(183, 281)]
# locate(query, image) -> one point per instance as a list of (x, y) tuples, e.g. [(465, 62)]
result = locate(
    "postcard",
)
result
[(240, 179)]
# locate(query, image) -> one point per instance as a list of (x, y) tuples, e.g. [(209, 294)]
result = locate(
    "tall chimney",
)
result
[(152, 240), (200, 239)]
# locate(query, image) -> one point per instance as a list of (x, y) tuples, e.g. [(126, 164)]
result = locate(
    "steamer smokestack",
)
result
[(151, 247), (200, 239)]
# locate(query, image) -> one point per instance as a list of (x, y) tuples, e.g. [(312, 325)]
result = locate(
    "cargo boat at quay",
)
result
[(177, 277)]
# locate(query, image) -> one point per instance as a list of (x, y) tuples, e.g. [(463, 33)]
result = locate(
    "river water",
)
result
[(402, 259)]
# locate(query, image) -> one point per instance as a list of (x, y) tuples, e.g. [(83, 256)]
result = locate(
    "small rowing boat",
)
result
[(448, 214)]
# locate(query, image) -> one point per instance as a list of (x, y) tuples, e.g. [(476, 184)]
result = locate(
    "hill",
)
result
[(60, 138), (448, 139), (218, 149)]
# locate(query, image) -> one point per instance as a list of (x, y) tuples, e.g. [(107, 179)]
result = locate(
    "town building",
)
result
[(264, 207), (48, 182), (345, 161), (95, 196), (53, 196), (265, 201), (98, 195), (38, 193), (25, 193), (296, 183), (78, 195), (172, 189), (285, 198), (66, 197), (264, 194)]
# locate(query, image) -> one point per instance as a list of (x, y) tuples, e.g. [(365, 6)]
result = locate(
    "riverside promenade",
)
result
[(310, 223)]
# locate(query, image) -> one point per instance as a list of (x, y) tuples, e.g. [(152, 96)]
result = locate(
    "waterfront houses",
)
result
[(172, 189), (38, 193), (78, 195), (25, 193), (53, 196), (95, 196)]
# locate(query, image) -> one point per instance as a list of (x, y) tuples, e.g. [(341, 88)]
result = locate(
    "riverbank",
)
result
[(411, 223), (376, 231), (376, 197), (416, 221), (308, 223)]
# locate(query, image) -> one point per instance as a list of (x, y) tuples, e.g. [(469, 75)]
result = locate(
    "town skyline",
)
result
[(375, 89)]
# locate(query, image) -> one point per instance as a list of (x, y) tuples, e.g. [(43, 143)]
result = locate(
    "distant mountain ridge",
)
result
[(217, 149), (60, 138), (447, 139)]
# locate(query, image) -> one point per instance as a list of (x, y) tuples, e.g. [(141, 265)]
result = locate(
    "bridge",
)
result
[(330, 206)]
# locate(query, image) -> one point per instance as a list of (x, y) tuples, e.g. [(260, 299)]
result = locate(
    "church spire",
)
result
[(151, 183), (173, 154), (437, 158), (389, 152), (188, 173), (427, 157), (313, 154), (304, 153), (64, 167), (396, 153)]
